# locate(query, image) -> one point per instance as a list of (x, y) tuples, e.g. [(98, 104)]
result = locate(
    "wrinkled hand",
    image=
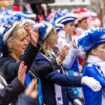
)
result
[(62, 55), (34, 35), (77, 102), (32, 89), (22, 72), (91, 82)]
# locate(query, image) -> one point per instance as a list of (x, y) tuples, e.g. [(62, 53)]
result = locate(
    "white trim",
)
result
[(7, 34)]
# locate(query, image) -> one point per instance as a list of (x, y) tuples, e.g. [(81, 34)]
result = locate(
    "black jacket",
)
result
[(10, 92), (9, 66)]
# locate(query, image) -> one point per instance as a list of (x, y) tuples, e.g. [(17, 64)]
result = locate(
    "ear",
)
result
[(64, 28), (9, 45), (94, 51)]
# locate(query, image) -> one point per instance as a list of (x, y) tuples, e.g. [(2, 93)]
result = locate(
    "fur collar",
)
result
[(97, 61)]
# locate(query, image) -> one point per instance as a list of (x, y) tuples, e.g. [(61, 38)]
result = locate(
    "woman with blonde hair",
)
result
[(15, 42), (56, 82)]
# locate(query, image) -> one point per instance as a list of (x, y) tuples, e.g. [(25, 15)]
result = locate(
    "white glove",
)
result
[(77, 102), (91, 82)]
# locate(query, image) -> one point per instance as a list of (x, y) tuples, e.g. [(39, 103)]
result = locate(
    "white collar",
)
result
[(97, 61), (94, 59)]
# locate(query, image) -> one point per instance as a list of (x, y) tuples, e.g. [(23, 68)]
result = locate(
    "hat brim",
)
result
[(82, 16), (71, 15), (27, 21), (7, 34), (49, 28)]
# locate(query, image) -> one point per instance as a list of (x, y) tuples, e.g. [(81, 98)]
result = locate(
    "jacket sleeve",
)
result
[(30, 55), (70, 58), (93, 72), (26, 100), (12, 90), (64, 80)]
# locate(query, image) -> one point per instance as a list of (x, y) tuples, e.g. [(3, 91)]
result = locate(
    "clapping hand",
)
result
[(22, 72), (62, 55)]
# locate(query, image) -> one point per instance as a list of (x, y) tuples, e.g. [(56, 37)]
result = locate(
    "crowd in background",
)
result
[(50, 58)]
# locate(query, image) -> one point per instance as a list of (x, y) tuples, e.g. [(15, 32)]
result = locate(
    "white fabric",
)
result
[(70, 57), (79, 31), (91, 82), (77, 102), (58, 94), (3, 80), (97, 61)]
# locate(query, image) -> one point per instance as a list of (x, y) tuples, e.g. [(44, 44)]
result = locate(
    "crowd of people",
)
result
[(55, 60)]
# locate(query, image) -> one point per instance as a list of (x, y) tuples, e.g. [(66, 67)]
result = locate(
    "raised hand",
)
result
[(22, 72), (32, 89), (33, 34)]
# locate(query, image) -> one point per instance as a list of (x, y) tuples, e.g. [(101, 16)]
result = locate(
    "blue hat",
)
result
[(59, 27), (91, 38), (44, 29), (66, 19), (5, 32)]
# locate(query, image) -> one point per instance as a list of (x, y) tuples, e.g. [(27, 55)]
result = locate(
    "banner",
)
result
[(39, 1), (71, 2)]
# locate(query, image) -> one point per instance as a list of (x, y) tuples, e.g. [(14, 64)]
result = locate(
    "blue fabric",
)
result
[(75, 65), (67, 20), (40, 96), (91, 97), (28, 81), (91, 38)]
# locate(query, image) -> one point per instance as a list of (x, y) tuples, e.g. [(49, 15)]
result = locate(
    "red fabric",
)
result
[(81, 61), (16, 7)]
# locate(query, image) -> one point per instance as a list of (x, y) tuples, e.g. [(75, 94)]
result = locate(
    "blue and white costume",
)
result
[(95, 66)]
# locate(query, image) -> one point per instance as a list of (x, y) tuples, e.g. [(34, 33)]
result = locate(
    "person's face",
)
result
[(83, 24), (69, 28), (7, 3), (19, 45), (100, 51)]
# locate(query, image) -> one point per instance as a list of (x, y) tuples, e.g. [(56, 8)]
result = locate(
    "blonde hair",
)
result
[(1, 3), (4, 3), (48, 39), (17, 33)]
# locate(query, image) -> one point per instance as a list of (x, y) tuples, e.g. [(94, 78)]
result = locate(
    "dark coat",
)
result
[(10, 92), (54, 78), (9, 66)]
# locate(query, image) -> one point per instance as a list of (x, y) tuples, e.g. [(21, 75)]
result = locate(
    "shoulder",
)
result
[(41, 57), (90, 68)]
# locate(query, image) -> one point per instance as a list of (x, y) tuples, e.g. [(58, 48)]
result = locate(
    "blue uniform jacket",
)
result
[(91, 97)]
